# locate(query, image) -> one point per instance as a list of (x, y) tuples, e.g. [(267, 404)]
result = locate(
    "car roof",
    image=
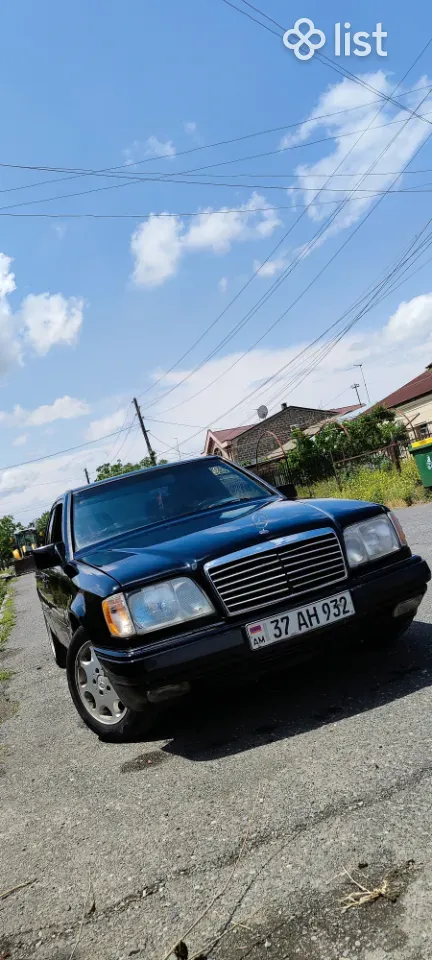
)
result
[(146, 470)]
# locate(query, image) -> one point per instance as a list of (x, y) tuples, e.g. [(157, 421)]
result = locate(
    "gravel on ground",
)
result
[(257, 802)]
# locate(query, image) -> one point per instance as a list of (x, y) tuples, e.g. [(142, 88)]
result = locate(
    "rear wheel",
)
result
[(95, 698)]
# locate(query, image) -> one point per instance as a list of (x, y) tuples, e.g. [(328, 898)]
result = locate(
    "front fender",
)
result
[(92, 586)]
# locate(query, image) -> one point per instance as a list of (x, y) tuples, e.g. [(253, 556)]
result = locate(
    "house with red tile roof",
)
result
[(240, 443), (413, 404)]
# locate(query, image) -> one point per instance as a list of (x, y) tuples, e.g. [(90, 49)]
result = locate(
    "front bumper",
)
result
[(222, 649)]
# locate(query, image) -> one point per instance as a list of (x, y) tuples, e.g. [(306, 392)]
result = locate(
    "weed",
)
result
[(386, 486), (7, 620)]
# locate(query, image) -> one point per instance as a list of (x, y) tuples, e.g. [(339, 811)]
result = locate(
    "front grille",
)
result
[(259, 577)]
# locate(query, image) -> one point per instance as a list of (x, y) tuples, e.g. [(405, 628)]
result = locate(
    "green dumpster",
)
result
[(422, 453)]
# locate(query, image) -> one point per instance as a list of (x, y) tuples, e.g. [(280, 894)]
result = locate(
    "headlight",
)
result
[(167, 603), (371, 540)]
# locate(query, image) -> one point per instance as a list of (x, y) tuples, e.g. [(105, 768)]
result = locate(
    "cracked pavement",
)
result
[(308, 773)]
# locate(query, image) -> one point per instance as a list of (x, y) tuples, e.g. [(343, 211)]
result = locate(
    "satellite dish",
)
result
[(262, 412)]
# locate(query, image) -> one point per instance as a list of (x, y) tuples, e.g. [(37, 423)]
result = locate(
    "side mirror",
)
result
[(52, 555), (288, 490)]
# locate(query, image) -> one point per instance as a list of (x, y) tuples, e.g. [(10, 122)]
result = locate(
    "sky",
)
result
[(186, 209)]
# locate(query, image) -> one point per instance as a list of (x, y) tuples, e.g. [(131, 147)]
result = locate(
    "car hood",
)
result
[(188, 543)]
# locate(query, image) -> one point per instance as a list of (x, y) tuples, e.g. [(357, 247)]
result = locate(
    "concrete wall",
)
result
[(282, 424)]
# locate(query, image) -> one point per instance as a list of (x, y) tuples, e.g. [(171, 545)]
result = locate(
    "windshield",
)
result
[(145, 498)]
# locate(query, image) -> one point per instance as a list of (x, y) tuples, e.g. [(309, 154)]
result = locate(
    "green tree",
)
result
[(107, 470), (368, 432), (41, 524), (313, 457), (7, 536)]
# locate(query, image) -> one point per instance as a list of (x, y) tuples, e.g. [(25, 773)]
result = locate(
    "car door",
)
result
[(54, 585), (42, 582)]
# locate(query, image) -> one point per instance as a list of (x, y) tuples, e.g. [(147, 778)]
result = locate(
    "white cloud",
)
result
[(133, 153), (388, 364), (64, 408), (350, 158), (60, 229), (10, 349), (156, 248), (20, 441), (26, 491), (223, 284), (190, 127), (270, 268), (159, 243), (42, 321), (106, 425), (412, 319), (7, 278), (49, 319), (160, 148)]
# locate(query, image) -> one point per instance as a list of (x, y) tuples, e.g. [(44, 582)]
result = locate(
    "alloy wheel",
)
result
[(95, 689)]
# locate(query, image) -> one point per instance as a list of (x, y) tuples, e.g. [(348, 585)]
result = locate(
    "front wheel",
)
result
[(95, 698)]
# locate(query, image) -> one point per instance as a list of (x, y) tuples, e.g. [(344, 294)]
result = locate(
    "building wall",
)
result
[(282, 424), (419, 411)]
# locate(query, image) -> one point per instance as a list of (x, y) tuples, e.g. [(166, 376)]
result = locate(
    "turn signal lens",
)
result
[(399, 529), (117, 616)]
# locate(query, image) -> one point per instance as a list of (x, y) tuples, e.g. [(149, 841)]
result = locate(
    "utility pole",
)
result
[(87, 474), (151, 452), (178, 448), (355, 386), (360, 366)]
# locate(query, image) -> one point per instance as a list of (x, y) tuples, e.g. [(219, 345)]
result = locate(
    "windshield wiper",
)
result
[(230, 500)]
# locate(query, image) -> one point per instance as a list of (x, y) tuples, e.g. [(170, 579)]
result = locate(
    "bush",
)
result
[(379, 486)]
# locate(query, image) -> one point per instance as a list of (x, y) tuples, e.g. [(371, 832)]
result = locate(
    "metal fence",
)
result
[(281, 474)]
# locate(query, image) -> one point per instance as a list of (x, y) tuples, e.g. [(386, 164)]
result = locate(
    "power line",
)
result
[(111, 456), (275, 286), (124, 441), (77, 173), (303, 351), (286, 273), (208, 213), (338, 68), (46, 483), (372, 292), (159, 175), (128, 180), (59, 453), (327, 348), (323, 176)]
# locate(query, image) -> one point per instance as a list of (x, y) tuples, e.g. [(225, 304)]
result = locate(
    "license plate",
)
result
[(295, 623)]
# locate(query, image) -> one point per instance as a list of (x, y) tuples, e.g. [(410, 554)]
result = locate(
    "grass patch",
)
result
[(7, 621), (386, 486), (7, 618)]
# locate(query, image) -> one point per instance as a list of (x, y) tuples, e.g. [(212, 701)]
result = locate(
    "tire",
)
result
[(59, 652), (95, 698)]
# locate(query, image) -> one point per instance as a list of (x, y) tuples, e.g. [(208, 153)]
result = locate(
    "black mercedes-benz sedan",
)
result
[(154, 582)]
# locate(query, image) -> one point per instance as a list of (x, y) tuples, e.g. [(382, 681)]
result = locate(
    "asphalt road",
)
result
[(251, 804)]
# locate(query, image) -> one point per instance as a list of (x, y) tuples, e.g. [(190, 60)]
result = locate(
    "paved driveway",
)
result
[(257, 800)]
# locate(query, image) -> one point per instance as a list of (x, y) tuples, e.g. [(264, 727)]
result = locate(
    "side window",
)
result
[(54, 532), (49, 526)]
